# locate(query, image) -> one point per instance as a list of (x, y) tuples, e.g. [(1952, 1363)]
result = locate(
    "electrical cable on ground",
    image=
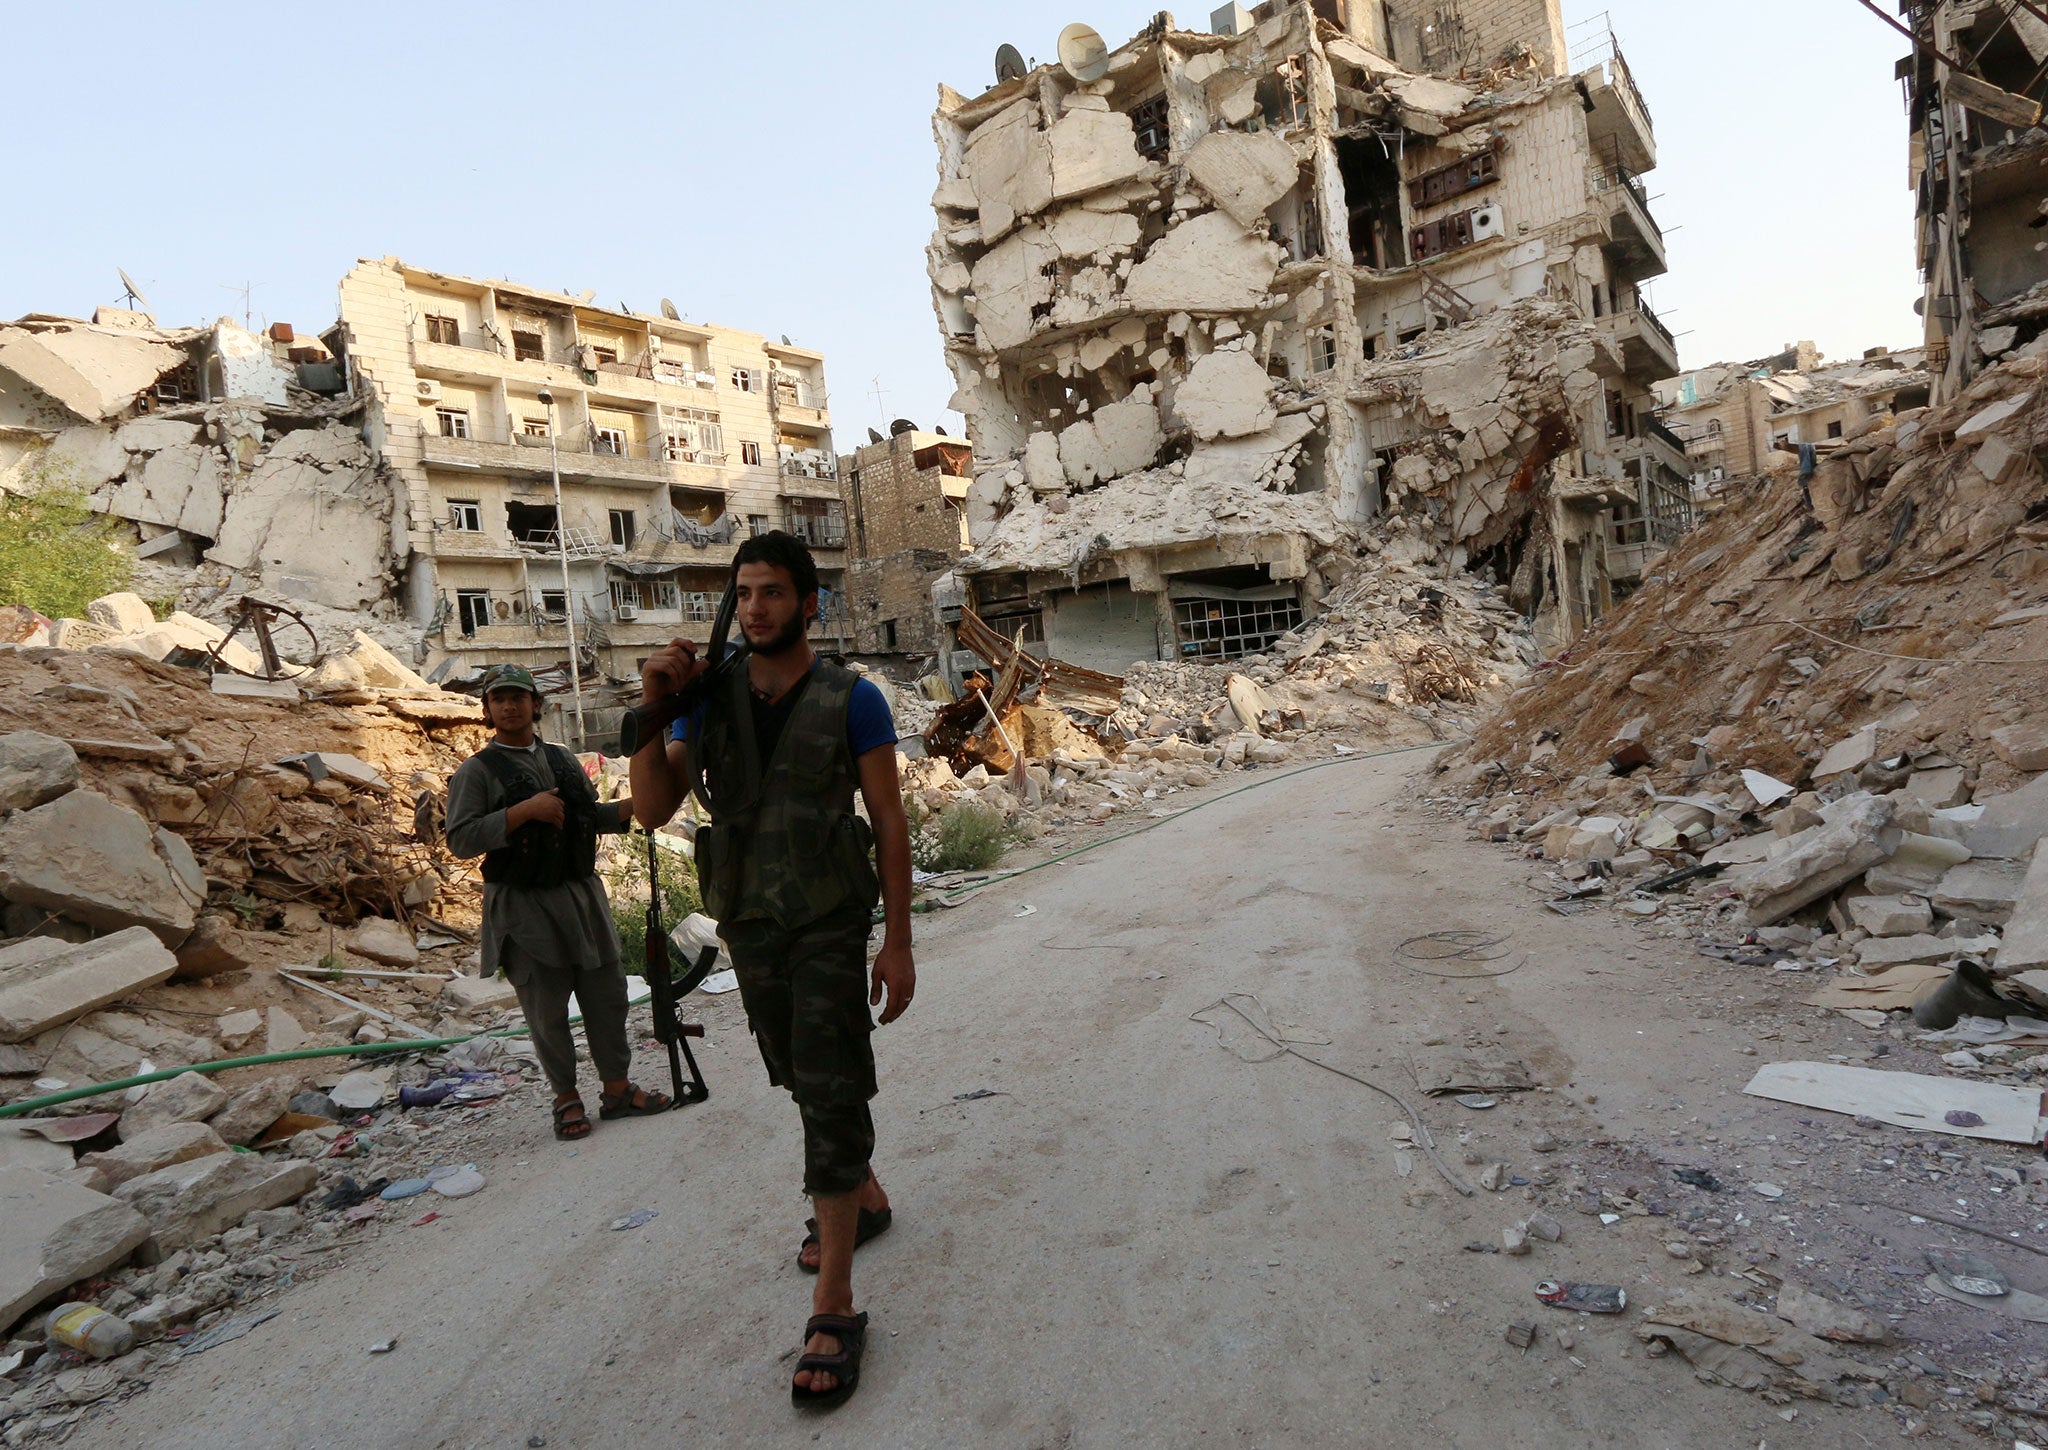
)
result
[(1282, 1045), (1476, 947)]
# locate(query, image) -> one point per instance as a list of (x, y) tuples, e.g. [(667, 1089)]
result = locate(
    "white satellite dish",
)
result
[(668, 310), (1082, 52), (1009, 64), (134, 293), (589, 295)]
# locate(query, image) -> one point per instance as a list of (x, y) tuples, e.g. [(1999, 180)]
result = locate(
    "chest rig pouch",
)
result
[(538, 854)]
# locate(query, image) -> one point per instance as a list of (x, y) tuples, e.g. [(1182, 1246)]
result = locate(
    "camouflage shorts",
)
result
[(806, 994)]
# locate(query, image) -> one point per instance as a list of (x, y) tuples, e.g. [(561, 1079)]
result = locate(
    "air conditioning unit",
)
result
[(1487, 221), (626, 612), (427, 390)]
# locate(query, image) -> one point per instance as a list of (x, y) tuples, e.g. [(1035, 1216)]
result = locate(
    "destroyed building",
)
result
[(231, 454), (1978, 164), (1219, 306), (905, 497), (1733, 416), (674, 441)]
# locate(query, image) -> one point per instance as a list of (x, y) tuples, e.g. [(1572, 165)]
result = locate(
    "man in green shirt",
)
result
[(527, 808)]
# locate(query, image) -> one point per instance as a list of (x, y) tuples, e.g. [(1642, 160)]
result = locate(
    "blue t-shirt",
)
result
[(868, 722)]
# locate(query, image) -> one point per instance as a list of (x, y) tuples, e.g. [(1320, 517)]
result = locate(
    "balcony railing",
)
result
[(826, 470), (817, 532), (500, 346), (1657, 430), (468, 611)]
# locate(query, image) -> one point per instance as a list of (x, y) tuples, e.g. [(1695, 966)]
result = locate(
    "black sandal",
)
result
[(873, 1223), (623, 1106), (844, 1365), (570, 1129)]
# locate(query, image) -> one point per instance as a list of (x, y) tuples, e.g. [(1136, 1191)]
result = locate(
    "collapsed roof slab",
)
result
[(94, 372)]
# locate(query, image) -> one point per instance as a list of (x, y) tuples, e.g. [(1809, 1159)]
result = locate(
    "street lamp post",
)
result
[(547, 399)]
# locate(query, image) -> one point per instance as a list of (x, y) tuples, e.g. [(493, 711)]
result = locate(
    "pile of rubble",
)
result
[(1812, 738)]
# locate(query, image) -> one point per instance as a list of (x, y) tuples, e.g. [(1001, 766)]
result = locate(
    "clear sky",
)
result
[(770, 166)]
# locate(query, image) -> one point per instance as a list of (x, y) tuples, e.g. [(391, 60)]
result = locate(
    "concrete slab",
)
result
[(201, 1196), (52, 1234), (45, 983), (85, 857)]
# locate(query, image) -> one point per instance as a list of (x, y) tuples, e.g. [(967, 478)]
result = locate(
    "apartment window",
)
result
[(178, 385), (1009, 626), (1834, 430), (757, 525), (750, 453), (818, 522), (1322, 349), (454, 422), (444, 329), (473, 609), (534, 427), (528, 346), (888, 634), (1148, 119), (465, 515), (554, 601), (646, 594), (610, 440), (746, 380), (605, 354), (622, 528), (1229, 628)]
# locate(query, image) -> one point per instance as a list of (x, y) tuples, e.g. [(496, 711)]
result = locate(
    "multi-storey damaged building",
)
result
[(673, 441), (1978, 164), (1220, 305), (904, 499)]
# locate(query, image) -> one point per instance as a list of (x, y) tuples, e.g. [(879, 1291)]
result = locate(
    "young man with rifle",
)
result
[(527, 808), (778, 740)]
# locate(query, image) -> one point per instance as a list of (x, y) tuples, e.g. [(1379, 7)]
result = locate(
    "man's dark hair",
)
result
[(783, 551)]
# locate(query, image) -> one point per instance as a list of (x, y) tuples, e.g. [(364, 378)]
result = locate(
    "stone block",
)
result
[(1917, 866), (1980, 890), (157, 1148), (2010, 824), (54, 1233), (383, 940), (252, 1110), (1936, 789), (189, 1201), (1890, 915), (214, 946), (122, 613), (34, 768), (45, 982), (2023, 746), (237, 1030), (1861, 833), (1897, 951), (1852, 753), (282, 1032), (464, 995), (187, 1098), (19, 1148), (84, 857), (2026, 935)]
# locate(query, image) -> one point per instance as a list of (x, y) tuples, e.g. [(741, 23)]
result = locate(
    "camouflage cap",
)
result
[(510, 677)]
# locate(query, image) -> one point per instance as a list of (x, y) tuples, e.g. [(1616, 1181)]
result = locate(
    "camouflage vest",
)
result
[(783, 842)]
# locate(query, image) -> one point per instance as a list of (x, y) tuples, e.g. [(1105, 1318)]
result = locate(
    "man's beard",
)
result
[(786, 639)]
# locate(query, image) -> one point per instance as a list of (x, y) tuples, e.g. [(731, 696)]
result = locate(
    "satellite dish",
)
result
[(668, 310), (874, 437), (786, 342), (901, 426), (133, 293), (588, 294), (1082, 52), (1009, 64), (625, 309)]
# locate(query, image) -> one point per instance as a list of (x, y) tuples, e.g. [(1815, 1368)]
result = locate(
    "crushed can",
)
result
[(1584, 1298)]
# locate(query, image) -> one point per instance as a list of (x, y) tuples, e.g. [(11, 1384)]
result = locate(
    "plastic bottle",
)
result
[(90, 1329)]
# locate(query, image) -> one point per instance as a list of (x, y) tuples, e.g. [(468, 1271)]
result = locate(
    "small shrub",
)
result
[(969, 836), (56, 555), (625, 882)]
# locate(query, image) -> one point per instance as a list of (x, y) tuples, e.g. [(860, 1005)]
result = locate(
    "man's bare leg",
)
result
[(868, 1196), (838, 1218)]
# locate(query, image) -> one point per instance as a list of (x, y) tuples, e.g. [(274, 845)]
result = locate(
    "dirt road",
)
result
[(1141, 1240)]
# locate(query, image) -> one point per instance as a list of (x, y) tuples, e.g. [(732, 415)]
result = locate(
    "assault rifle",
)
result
[(669, 990), (650, 720)]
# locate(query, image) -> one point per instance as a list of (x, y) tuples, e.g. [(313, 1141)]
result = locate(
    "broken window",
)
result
[(528, 346), (446, 330), (609, 440), (622, 528), (757, 525), (534, 427), (750, 453), (554, 601), (1447, 234), (1372, 200), (888, 634), (1461, 176), (1283, 96), (472, 609), (630, 596), (178, 385), (1031, 624), (1226, 629), (531, 523), (693, 435), (1322, 348), (1834, 430), (605, 354), (454, 422), (1148, 119), (746, 380), (465, 515)]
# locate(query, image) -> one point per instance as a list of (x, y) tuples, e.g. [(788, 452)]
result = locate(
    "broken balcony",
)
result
[(580, 456), (1648, 349), (1636, 243), (1618, 124)]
